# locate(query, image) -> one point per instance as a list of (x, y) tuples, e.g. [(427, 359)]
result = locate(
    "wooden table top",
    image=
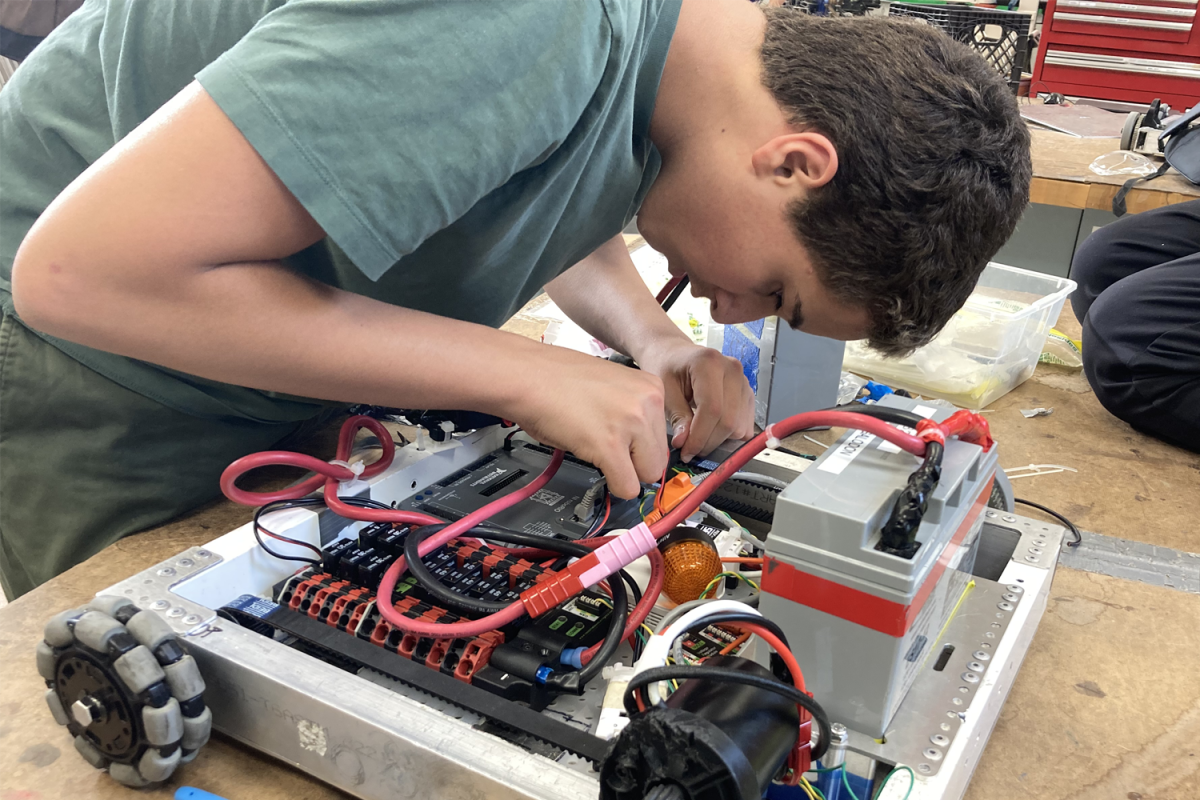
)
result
[(1061, 176)]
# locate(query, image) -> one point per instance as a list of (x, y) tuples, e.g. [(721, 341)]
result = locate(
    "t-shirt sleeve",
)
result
[(390, 119)]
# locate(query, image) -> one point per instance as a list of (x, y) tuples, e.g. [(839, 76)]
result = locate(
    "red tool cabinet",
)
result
[(1133, 50)]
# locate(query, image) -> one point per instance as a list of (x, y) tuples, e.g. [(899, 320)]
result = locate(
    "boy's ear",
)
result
[(806, 160)]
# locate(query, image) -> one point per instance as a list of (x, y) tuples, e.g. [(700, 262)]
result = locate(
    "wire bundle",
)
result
[(434, 533)]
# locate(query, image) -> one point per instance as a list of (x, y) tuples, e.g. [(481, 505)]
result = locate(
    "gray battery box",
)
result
[(862, 622)]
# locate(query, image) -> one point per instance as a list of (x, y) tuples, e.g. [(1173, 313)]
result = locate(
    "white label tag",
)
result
[(921, 411), (837, 460)]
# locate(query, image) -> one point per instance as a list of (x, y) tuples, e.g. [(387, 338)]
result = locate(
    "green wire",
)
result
[(845, 782), (911, 785), (721, 575), (642, 507)]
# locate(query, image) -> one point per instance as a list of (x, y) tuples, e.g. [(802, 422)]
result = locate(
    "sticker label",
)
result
[(837, 460), (312, 737), (920, 411), (547, 497)]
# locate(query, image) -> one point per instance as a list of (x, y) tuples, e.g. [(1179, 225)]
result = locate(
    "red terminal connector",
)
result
[(800, 759), (966, 425), (597, 565), (477, 653)]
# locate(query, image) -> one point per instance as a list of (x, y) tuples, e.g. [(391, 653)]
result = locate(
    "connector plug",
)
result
[(589, 570)]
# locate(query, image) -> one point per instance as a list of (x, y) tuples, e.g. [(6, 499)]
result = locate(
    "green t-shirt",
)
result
[(459, 155)]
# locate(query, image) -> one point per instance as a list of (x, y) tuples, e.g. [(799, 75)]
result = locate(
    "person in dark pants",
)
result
[(1139, 303)]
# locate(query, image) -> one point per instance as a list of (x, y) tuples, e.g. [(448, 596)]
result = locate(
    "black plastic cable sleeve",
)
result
[(899, 533)]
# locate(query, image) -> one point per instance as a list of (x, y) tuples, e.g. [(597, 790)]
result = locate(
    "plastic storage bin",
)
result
[(988, 348)]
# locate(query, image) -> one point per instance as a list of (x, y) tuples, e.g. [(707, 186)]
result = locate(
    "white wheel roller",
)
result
[(94, 629), (139, 669), (45, 661), (196, 731), (56, 708), (149, 629), (118, 679), (108, 604), (128, 775), (57, 632), (164, 725), (184, 678), (90, 753)]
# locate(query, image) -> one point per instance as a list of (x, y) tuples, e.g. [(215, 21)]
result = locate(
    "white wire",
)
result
[(732, 524), (659, 647), (758, 477)]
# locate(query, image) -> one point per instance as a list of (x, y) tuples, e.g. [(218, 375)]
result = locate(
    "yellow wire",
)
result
[(720, 575), (807, 787), (649, 631), (949, 619)]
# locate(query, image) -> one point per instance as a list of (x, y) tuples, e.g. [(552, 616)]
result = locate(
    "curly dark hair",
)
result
[(933, 164)]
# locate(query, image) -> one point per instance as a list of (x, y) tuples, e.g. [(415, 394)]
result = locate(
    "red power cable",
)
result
[(642, 610), (331, 474), (781, 429), (665, 291)]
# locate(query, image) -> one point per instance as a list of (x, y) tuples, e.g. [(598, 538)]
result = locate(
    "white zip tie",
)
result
[(1033, 470), (357, 468), (772, 442)]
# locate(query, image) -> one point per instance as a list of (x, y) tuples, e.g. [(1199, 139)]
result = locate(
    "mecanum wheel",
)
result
[(118, 679)]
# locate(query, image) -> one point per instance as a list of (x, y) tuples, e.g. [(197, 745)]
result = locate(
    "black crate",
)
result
[(1001, 37)]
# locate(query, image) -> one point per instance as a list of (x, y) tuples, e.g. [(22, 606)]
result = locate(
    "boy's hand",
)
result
[(706, 395), (602, 412)]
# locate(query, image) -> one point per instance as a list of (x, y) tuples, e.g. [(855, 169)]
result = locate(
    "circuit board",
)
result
[(552, 511)]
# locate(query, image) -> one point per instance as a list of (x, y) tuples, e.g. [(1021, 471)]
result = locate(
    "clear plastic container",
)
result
[(988, 348)]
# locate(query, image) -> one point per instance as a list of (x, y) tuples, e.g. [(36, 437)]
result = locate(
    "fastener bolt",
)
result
[(87, 710)]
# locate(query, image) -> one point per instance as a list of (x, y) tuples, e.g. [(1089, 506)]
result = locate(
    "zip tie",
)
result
[(773, 442), (357, 468), (930, 431)]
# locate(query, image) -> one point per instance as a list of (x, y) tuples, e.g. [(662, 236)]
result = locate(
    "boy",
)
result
[(351, 196)]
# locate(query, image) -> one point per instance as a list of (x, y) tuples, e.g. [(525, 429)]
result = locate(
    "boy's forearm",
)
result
[(263, 326), (605, 295)]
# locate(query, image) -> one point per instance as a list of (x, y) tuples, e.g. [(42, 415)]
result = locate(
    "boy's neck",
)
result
[(711, 89)]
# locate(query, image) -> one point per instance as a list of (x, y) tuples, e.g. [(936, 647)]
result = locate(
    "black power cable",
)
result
[(573, 682), (443, 593), (674, 295), (303, 502), (895, 416), (1069, 525), (657, 674), (898, 535)]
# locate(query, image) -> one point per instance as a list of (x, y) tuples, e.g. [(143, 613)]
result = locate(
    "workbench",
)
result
[(1061, 177), (1106, 706), (1068, 201)]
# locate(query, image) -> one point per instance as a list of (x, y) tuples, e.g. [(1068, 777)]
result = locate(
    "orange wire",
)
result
[(729, 648), (740, 560), (662, 484), (778, 647)]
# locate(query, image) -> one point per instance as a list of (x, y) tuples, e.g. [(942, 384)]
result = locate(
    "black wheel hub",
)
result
[(114, 726)]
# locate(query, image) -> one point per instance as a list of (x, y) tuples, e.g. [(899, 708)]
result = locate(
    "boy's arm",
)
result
[(708, 399), (167, 250)]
